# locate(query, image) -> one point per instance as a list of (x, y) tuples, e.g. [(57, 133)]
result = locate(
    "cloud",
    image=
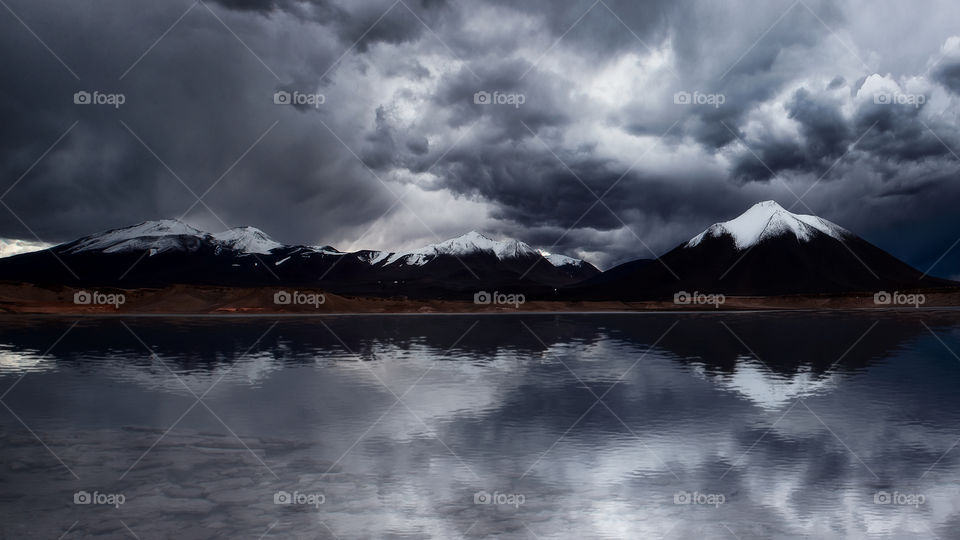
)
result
[(784, 103)]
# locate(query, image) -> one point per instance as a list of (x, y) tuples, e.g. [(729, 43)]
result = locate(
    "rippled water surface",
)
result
[(783, 425)]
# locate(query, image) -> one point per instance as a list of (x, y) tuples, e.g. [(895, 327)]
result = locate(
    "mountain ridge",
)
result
[(251, 240), (764, 251), (163, 252)]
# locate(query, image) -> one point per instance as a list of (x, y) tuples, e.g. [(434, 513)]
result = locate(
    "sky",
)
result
[(601, 129)]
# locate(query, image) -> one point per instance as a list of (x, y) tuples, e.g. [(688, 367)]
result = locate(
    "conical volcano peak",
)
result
[(767, 219)]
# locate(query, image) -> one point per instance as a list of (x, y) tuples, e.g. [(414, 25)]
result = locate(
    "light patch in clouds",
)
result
[(10, 247)]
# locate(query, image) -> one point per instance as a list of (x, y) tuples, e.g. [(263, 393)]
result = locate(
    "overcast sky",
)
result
[(675, 115)]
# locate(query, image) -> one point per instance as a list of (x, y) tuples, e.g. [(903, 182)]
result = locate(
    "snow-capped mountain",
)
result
[(471, 244), (767, 220), (468, 244), (158, 253), (172, 235), (468, 256), (247, 240), (767, 250)]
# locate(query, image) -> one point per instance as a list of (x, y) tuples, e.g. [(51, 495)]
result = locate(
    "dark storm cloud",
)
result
[(626, 25), (361, 24), (885, 134), (518, 157), (949, 76), (763, 162), (748, 75), (200, 101), (821, 124), (399, 80), (899, 133), (264, 6), (824, 137)]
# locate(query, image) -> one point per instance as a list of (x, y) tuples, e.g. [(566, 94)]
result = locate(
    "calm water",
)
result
[(548, 426)]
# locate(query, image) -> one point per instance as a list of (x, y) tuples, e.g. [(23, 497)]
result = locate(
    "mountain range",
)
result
[(160, 253), (766, 251)]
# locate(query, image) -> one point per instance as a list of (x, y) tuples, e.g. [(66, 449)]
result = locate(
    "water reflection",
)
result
[(788, 425)]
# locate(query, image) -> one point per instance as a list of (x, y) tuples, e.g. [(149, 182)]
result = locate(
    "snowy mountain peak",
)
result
[(247, 240), (471, 243), (474, 241), (160, 227), (166, 235), (768, 219), (474, 235), (139, 236)]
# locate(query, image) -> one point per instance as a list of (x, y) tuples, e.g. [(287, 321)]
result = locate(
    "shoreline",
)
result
[(187, 300)]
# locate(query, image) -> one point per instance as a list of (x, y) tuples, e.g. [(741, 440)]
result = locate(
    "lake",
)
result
[(651, 425)]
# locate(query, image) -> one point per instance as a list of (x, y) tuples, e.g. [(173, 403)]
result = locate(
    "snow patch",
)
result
[(563, 260), (327, 250), (247, 240), (374, 257), (559, 260), (768, 220), (472, 243), (468, 244)]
